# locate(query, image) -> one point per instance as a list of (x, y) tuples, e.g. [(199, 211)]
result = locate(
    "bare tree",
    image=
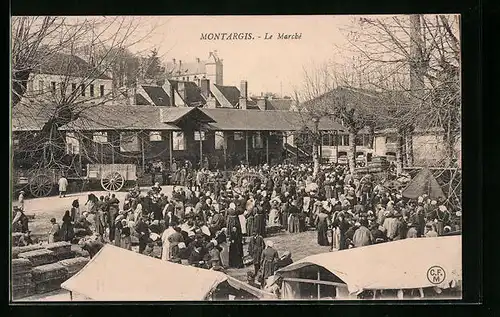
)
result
[(78, 54), (420, 56)]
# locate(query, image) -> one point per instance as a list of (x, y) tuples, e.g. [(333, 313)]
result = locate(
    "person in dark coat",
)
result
[(268, 262), (92, 247), (322, 224), (142, 230), (67, 229), (255, 248), (378, 235), (235, 248), (232, 218), (260, 220)]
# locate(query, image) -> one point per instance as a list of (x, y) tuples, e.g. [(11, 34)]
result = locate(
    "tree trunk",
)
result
[(409, 148), (403, 148), (351, 154), (371, 137), (399, 154)]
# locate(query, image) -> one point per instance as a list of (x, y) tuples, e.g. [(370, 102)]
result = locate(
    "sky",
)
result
[(268, 65)]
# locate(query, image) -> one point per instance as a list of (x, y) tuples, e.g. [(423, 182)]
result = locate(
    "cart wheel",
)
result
[(41, 186), (112, 182)]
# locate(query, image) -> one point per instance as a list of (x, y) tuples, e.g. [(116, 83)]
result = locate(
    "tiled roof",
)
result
[(186, 69), (141, 101), (231, 93), (266, 120), (120, 117), (66, 64), (279, 104), (158, 95), (174, 114), (30, 117), (193, 94)]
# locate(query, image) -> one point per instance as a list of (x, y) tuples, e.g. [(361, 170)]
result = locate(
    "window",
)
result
[(197, 135), (91, 87), (53, 87), (179, 141), (40, 86), (257, 140), (129, 142), (82, 86), (219, 140), (102, 90), (391, 139), (344, 139), (155, 136), (72, 144), (329, 139), (238, 136), (100, 137), (73, 87), (63, 89), (366, 140)]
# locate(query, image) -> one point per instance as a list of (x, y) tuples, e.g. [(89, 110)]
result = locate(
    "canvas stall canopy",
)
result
[(116, 274), (423, 183), (397, 265)]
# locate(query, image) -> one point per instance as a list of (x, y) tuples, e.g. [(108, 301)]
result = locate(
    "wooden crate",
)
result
[(39, 257)]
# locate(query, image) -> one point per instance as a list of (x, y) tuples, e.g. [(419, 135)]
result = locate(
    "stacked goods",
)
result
[(21, 279), (49, 277), (74, 265), (62, 250), (15, 238), (39, 257), (17, 250)]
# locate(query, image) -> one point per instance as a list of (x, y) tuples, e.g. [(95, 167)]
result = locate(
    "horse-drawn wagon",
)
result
[(39, 182), (112, 177)]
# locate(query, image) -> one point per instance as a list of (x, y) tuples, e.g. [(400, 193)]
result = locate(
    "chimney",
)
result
[(205, 87), (243, 94), (261, 103), (211, 102)]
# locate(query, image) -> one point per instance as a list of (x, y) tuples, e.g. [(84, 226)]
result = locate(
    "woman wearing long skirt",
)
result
[(67, 230), (322, 223), (235, 249), (268, 262), (250, 219), (221, 239), (260, 222)]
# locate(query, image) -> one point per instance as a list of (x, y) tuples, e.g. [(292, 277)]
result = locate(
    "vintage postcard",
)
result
[(236, 158)]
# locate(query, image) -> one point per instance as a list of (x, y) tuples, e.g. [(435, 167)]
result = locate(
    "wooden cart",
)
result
[(112, 176), (38, 181)]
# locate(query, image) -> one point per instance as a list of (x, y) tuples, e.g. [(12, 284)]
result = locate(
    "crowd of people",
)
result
[(208, 218)]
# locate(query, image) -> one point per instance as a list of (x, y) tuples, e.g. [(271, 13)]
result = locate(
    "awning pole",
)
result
[(170, 146), (246, 148), (143, 157), (112, 152), (319, 286), (337, 146), (201, 150), (71, 295), (224, 148), (267, 147)]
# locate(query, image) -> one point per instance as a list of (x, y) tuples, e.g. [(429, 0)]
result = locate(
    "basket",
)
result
[(59, 247), (20, 291), (20, 266), (74, 265), (17, 250), (39, 257), (49, 272)]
